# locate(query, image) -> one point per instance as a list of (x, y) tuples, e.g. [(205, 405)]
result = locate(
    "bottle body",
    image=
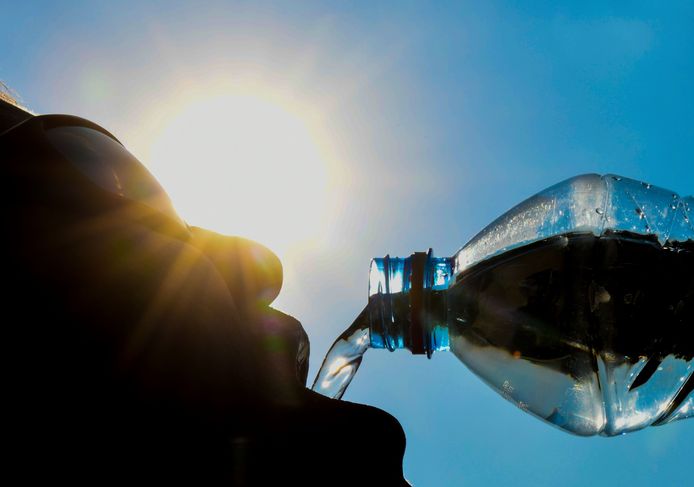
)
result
[(577, 305), (592, 334)]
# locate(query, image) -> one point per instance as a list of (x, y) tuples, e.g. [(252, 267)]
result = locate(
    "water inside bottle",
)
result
[(592, 334)]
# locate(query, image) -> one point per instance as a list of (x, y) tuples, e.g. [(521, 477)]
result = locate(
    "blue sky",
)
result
[(432, 120)]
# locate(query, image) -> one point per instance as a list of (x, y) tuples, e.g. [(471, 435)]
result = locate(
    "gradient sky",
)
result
[(432, 121)]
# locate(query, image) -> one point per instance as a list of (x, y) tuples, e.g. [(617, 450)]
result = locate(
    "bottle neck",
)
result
[(407, 302)]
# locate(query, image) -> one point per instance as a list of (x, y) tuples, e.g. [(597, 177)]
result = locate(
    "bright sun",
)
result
[(244, 165)]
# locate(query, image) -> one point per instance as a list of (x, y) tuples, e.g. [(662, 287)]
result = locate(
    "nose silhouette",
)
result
[(253, 275), (252, 272)]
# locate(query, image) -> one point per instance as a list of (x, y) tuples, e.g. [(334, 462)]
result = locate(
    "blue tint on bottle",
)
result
[(390, 281)]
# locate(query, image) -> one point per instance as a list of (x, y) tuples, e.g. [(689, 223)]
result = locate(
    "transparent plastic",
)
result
[(577, 305)]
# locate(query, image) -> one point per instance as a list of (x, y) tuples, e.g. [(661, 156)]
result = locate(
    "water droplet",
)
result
[(599, 211), (617, 178), (639, 212), (673, 206), (646, 185)]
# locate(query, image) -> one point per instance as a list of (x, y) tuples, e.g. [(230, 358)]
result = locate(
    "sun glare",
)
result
[(244, 165)]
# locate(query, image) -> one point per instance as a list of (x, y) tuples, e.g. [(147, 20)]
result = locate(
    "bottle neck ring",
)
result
[(404, 309)]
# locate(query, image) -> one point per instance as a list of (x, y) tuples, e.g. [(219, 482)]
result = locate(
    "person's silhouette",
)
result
[(141, 349)]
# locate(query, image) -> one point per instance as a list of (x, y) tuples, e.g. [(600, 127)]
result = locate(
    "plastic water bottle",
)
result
[(577, 305)]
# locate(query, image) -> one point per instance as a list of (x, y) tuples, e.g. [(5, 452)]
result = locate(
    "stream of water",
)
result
[(343, 359)]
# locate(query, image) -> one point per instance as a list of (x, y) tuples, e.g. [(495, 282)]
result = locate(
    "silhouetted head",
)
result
[(147, 347)]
